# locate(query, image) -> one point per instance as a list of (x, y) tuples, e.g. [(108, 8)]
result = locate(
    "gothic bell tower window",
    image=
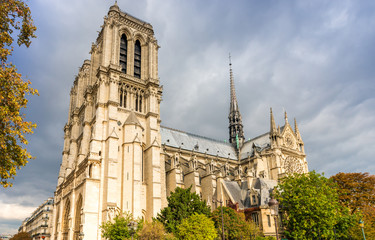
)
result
[(137, 59), (122, 96), (123, 52)]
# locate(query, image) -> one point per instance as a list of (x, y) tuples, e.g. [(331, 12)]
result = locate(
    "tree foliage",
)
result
[(311, 208), (197, 227), (368, 217), (118, 228), (14, 16), (182, 203), (154, 231), (235, 224), (21, 236), (356, 190)]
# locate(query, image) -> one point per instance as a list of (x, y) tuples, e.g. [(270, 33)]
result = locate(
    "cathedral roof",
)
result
[(261, 142), (191, 142)]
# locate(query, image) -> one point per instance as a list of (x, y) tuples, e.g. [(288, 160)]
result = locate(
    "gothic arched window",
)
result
[(123, 52), (65, 222), (137, 59)]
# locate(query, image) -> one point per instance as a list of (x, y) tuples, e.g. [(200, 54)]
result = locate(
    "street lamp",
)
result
[(362, 225), (274, 207), (222, 217), (132, 227)]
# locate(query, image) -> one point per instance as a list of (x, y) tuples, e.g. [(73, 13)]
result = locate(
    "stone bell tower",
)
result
[(111, 157)]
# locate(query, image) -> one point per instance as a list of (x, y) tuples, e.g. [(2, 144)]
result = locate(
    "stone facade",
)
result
[(39, 224), (117, 157)]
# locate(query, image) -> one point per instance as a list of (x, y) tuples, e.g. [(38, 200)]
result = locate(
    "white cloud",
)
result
[(12, 211)]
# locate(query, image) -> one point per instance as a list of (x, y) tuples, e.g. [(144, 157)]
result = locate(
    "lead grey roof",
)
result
[(188, 141), (235, 192), (261, 142), (241, 194), (265, 186)]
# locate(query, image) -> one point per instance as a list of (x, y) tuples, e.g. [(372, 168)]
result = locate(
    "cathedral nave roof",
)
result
[(188, 141)]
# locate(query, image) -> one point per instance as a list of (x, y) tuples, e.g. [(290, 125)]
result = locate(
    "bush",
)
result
[(197, 227), (118, 229)]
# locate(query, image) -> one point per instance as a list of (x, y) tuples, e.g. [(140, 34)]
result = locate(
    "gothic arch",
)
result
[(65, 221), (140, 38), (126, 31), (77, 218)]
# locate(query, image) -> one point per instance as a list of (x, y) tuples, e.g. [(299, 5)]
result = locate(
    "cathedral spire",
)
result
[(236, 135), (233, 98)]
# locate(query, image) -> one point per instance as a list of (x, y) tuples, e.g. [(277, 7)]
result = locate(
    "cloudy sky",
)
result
[(315, 59)]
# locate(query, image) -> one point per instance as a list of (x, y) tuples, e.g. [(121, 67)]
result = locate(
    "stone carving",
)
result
[(293, 165)]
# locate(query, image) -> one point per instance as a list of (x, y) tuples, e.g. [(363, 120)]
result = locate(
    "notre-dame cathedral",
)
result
[(118, 158)]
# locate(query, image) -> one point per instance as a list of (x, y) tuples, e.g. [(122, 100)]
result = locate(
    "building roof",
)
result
[(261, 142), (132, 120), (233, 189), (241, 194), (191, 142), (265, 186)]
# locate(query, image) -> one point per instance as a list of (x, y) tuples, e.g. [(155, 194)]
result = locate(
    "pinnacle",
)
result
[(273, 125)]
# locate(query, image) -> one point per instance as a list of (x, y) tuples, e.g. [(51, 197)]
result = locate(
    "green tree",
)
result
[(21, 236), (182, 203), (154, 231), (118, 228), (197, 227), (235, 224), (14, 16), (311, 208)]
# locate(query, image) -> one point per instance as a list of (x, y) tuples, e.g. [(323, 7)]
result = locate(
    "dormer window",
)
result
[(137, 59), (123, 52), (253, 200)]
